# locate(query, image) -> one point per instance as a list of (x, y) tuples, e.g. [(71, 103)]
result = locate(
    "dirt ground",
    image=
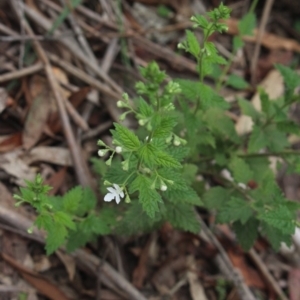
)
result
[(63, 66)]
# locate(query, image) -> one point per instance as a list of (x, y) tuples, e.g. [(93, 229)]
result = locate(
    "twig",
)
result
[(91, 81), (21, 73), (80, 165), (264, 270), (69, 44), (22, 45), (265, 16), (109, 275), (162, 52), (234, 275)]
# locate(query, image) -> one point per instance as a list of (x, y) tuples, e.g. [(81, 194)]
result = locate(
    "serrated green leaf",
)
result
[(164, 128), (182, 216), (56, 237), (189, 172), (126, 137), (201, 21), (237, 82), (88, 201), (240, 169), (257, 140), (136, 221), (235, 210), (219, 123), (238, 43), (193, 44), (99, 166), (216, 198), (147, 154), (248, 109), (27, 194), (165, 160), (115, 173), (188, 196), (178, 152), (275, 236), (246, 233), (290, 77), (190, 89), (78, 239), (207, 139), (247, 24), (276, 140), (71, 199), (265, 101), (210, 99), (288, 127), (178, 183), (148, 197), (61, 217), (145, 109), (44, 221), (94, 224), (280, 218)]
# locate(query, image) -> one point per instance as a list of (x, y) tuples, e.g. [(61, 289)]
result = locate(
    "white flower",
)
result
[(114, 193)]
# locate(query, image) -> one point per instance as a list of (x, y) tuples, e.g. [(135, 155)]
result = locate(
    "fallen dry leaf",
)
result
[(196, 288), (269, 40), (293, 284), (41, 284), (38, 112), (3, 99), (11, 142), (274, 87), (69, 263), (13, 163), (251, 276), (55, 155)]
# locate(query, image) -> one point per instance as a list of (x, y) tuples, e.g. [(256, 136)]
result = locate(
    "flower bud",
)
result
[(101, 153), (120, 104), (163, 187), (176, 142), (127, 199), (101, 143), (142, 122), (119, 149)]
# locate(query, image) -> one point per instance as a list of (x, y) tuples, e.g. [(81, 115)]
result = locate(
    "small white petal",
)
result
[(108, 197), (118, 199), (112, 190)]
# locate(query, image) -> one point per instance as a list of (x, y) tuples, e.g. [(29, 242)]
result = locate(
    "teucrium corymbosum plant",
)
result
[(185, 141)]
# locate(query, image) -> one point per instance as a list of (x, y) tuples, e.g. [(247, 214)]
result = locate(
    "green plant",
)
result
[(185, 139)]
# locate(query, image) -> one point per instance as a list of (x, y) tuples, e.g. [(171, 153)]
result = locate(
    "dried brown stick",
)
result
[(162, 52), (80, 36), (33, 69), (21, 73), (234, 275), (264, 270), (86, 260), (83, 76), (80, 165), (91, 81), (261, 30), (69, 44)]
